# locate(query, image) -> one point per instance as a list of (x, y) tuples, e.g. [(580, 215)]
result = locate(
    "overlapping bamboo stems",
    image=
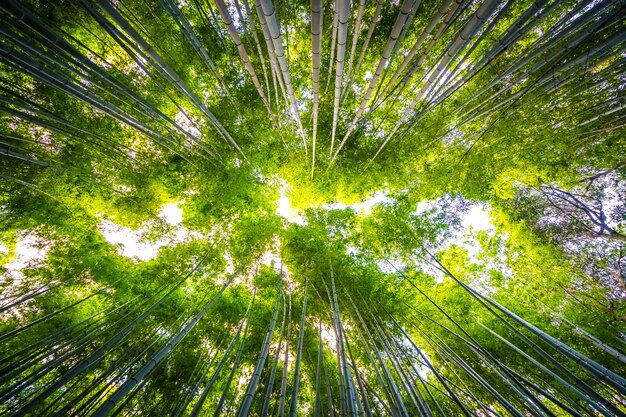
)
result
[(394, 356), (98, 354), (185, 27), (16, 388), (215, 23), (274, 66), (460, 391), (80, 62), (329, 391), (343, 15), (442, 380), (108, 374), (234, 368), (244, 58), (405, 9), (78, 346), (42, 118), (37, 159), (449, 73), (340, 374), (132, 18), (379, 334), (394, 398), (42, 365), (362, 401), (475, 348), (604, 53), (368, 37), (471, 27), (34, 353), (606, 126), (542, 81), (585, 334), (259, 51), (274, 31), (545, 369), (512, 34), (39, 116), (578, 33), (533, 405), (141, 60), (318, 372), (82, 66), (17, 299), (486, 356), (355, 40), (333, 44), (196, 378), (283, 382), (482, 26), (384, 383), (27, 326), (546, 394), (394, 51), (251, 389), (553, 37), (140, 46), (197, 408), (545, 79), (346, 385), (413, 376), (93, 396), (317, 16), (96, 395), (272, 377), (507, 376), (11, 154), (155, 360), (599, 372), (322, 363), (514, 101), (296, 373), (602, 374), (558, 31), (122, 15), (44, 74), (201, 380)]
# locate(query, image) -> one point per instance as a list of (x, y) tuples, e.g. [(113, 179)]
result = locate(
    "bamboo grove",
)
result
[(387, 125)]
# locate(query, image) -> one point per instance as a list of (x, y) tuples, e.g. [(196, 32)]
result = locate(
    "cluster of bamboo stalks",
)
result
[(392, 375), (380, 369), (454, 52)]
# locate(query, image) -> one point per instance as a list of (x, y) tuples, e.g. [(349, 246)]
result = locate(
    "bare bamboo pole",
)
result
[(317, 16), (343, 15)]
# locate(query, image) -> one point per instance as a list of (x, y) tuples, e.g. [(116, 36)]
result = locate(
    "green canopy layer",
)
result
[(368, 208)]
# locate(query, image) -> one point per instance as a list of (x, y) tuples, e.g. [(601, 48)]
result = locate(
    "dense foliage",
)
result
[(405, 208)]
